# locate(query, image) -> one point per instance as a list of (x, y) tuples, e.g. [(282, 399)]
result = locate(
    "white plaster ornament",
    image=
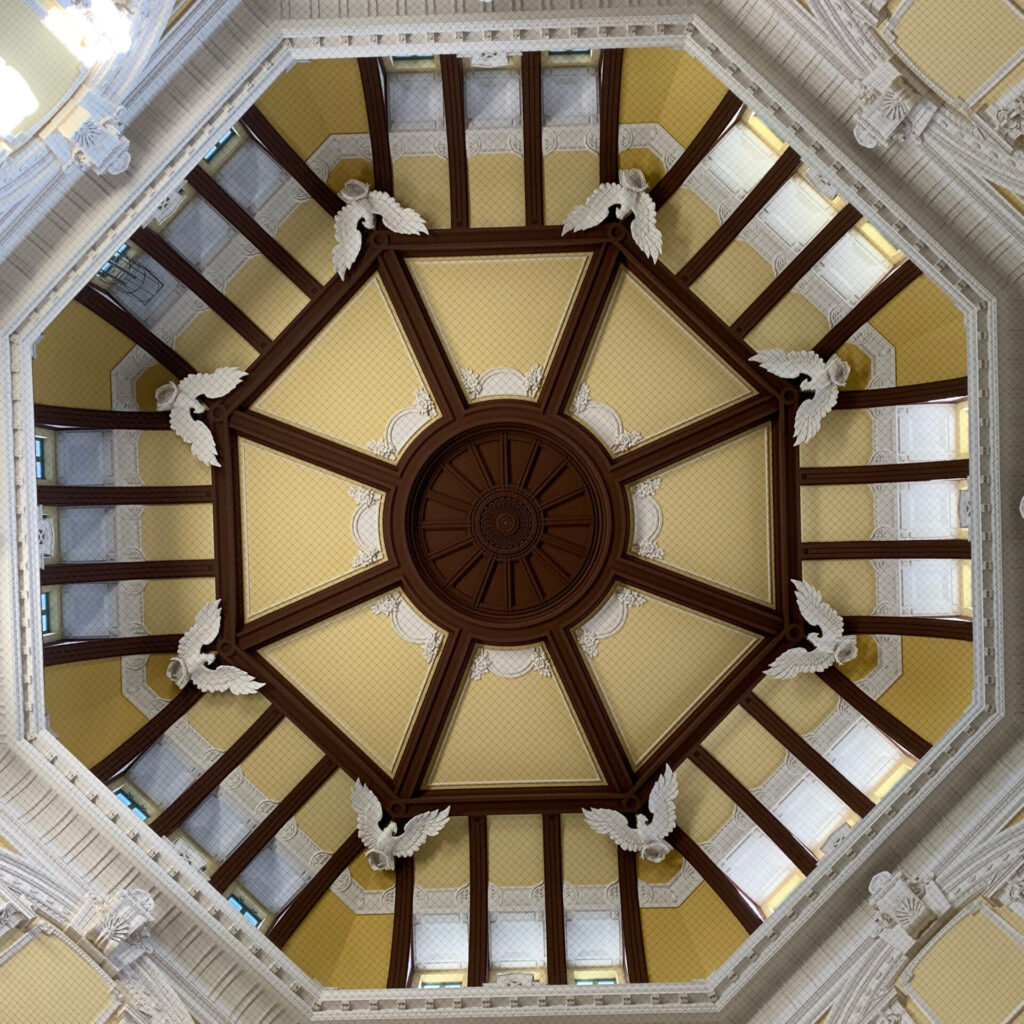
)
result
[(648, 838), (383, 845), (362, 206), (193, 663), (828, 647), (824, 380), (629, 196), (182, 399)]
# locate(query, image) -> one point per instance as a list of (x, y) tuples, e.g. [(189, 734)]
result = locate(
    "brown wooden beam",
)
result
[(243, 222), (609, 75), (554, 907), (479, 926), (840, 549), (118, 761), (884, 721), (533, 135), (952, 628), (105, 306), (891, 472), (758, 813), (243, 854), (109, 647), (632, 927), (815, 249), (778, 174), (907, 394), (467, 801), (47, 494), (178, 267), (180, 808), (99, 419), (786, 514), (721, 884), (267, 136), (372, 77), (294, 913), (814, 762), (228, 557), (101, 572), (882, 293), (720, 121), (454, 92), (400, 963), (500, 241)]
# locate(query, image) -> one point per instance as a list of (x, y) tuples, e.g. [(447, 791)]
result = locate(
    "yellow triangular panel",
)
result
[(716, 523), (516, 730), (353, 378), (297, 527), (499, 311), (361, 671)]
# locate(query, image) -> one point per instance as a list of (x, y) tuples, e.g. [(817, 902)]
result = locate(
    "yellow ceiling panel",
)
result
[(170, 606), (208, 342), (165, 461), (650, 369), (499, 311), (804, 701), (587, 858), (298, 534), (746, 749), (513, 730), (717, 522), (702, 808), (351, 380), (678, 654), (360, 672)]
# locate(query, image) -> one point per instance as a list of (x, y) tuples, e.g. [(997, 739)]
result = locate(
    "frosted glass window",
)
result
[(84, 457), (593, 938), (415, 101), (812, 812), (929, 586), (852, 266), (797, 212), (198, 232), (569, 95), (250, 175), (492, 99), (272, 876), (517, 939), (865, 756), (757, 866), (440, 942), (87, 534), (927, 433), (162, 773), (740, 158), (928, 508), (217, 826), (88, 609)]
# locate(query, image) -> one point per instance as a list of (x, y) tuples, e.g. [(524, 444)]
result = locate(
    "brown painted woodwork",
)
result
[(99, 419), (952, 628), (294, 913), (400, 963), (105, 306), (721, 884), (554, 908), (109, 647), (492, 800), (609, 74), (815, 249), (372, 77), (47, 494), (884, 721), (533, 131), (479, 925), (907, 394), (882, 293), (267, 136), (893, 472), (229, 578), (243, 222), (780, 172), (118, 761), (454, 92), (786, 514), (243, 854), (182, 806), (720, 121), (497, 241), (632, 929), (758, 813), (814, 762), (838, 549), (177, 266), (100, 572)]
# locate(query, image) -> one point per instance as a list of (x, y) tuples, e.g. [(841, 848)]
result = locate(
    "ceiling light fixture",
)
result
[(17, 100), (93, 33)]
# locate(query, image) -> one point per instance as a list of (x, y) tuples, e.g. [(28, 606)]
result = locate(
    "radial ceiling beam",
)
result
[(786, 513), (952, 628), (105, 306), (609, 75), (533, 137), (497, 241), (907, 394), (454, 93), (892, 472), (109, 647), (243, 222), (492, 800), (99, 419), (371, 74), (554, 907), (479, 931), (632, 926), (65, 495), (177, 266), (102, 572), (229, 576), (841, 549), (721, 120), (400, 961), (267, 136)]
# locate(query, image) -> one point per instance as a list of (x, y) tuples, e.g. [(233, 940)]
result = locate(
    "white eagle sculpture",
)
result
[(193, 663), (362, 206), (182, 399), (824, 380), (828, 647), (629, 195), (383, 845), (648, 838)]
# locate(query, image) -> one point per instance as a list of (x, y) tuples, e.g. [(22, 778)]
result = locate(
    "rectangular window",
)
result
[(131, 801), (595, 981), (106, 268), (40, 458), (440, 984), (247, 911), (219, 145), (45, 612)]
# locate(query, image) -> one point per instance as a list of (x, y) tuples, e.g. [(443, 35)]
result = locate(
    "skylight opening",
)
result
[(247, 910), (219, 145), (132, 802)]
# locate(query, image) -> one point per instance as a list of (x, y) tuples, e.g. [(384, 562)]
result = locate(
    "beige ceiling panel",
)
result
[(745, 748), (170, 606), (734, 280), (299, 525), (362, 673), (353, 378), (701, 808), (686, 222), (499, 311)]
